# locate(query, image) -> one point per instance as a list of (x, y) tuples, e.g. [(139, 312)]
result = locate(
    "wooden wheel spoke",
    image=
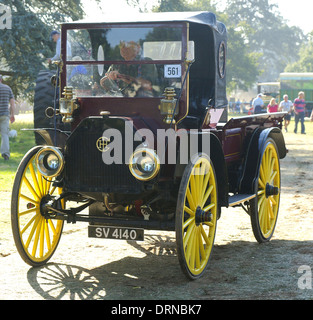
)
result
[(262, 175), (260, 201), (209, 207), (197, 179), (271, 168), (42, 238), (35, 225), (28, 211), (201, 246), (189, 211), (28, 224), (274, 174), (33, 201), (47, 234), (35, 181), (31, 189), (270, 210), (193, 189), (188, 234), (201, 176), (190, 200), (206, 196), (204, 235), (190, 249), (197, 248), (51, 225), (40, 182), (273, 200), (36, 239), (188, 222)]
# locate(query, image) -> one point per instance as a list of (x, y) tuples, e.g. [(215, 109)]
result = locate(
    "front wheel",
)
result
[(196, 216), (264, 208), (35, 236)]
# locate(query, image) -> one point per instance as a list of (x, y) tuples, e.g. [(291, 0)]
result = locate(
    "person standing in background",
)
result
[(257, 104), (56, 37), (272, 106), (286, 106), (6, 116), (299, 109)]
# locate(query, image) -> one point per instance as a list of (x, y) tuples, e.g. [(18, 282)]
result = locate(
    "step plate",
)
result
[(240, 198)]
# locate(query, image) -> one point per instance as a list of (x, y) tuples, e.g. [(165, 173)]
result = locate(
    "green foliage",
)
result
[(266, 32), (242, 65), (25, 48), (305, 62), (24, 141)]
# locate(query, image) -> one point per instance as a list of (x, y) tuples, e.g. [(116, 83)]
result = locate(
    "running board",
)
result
[(239, 198)]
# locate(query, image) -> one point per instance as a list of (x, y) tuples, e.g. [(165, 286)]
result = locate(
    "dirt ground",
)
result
[(240, 268)]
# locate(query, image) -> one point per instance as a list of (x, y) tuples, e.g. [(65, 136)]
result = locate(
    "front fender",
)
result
[(52, 137)]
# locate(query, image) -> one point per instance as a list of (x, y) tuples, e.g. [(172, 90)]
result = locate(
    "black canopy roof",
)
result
[(200, 17)]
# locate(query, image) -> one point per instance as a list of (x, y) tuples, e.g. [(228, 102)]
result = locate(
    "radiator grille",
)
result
[(85, 170)]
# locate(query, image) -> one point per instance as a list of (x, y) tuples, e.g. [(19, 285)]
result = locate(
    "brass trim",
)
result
[(155, 158), (59, 155), (187, 84), (102, 144)]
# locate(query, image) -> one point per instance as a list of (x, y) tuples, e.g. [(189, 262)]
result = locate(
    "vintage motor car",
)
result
[(149, 146)]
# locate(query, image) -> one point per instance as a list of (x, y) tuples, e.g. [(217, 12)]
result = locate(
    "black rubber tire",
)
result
[(44, 97)]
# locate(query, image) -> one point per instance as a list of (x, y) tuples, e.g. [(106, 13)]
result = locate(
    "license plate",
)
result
[(118, 233)]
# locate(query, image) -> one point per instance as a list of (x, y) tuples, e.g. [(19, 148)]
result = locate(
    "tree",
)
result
[(265, 32), (305, 62), (25, 47), (242, 65)]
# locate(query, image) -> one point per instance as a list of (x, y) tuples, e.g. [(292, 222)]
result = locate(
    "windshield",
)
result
[(124, 62)]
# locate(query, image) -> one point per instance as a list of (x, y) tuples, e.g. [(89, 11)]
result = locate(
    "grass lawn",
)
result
[(24, 141)]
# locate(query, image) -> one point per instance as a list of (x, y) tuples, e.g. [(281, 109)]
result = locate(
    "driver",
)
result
[(130, 80)]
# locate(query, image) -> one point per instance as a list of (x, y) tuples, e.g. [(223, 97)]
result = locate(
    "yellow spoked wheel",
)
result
[(264, 208), (196, 216), (36, 237)]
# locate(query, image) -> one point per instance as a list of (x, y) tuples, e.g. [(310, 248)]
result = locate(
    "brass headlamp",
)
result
[(168, 105), (68, 105)]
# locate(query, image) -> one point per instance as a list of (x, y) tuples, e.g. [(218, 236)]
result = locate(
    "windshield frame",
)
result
[(75, 26)]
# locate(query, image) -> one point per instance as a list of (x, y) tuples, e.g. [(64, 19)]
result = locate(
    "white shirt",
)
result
[(58, 50), (286, 105), (257, 102)]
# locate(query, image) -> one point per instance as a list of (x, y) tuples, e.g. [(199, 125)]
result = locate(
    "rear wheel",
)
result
[(36, 237), (196, 216), (44, 97), (264, 208)]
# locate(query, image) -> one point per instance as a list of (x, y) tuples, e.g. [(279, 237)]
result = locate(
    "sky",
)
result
[(297, 12)]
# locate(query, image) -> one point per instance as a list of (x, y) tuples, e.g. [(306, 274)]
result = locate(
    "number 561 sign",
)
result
[(5, 17), (172, 71)]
